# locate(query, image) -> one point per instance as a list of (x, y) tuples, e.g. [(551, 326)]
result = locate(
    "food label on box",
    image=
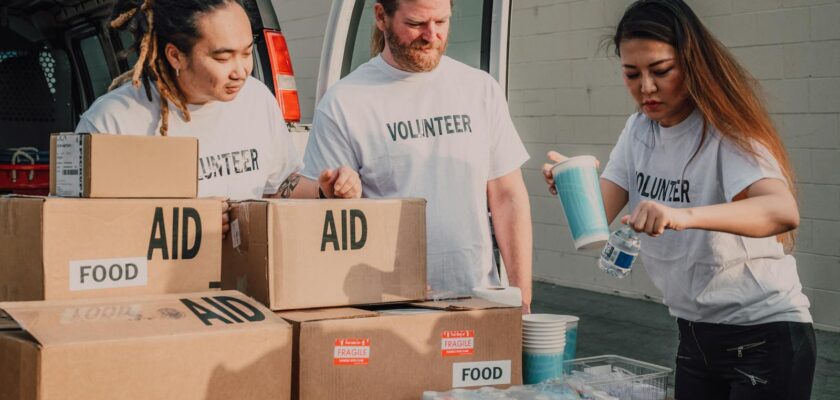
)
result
[(112, 312), (481, 373), (109, 273), (351, 352), (69, 165), (457, 343)]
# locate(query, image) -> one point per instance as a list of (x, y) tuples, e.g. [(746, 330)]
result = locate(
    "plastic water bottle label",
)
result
[(617, 257), (624, 260)]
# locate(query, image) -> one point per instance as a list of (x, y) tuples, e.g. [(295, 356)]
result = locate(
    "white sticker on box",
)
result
[(483, 373), (235, 236), (69, 165), (107, 274)]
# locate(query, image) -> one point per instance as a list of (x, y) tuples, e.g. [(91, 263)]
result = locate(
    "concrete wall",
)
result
[(566, 93)]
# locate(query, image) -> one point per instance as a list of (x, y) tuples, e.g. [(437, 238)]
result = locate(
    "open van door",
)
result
[(478, 37)]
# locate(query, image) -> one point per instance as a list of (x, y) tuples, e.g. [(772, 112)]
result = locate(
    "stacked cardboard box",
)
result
[(214, 345), (112, 242), (119, 264), (309, 260), (292, 254)]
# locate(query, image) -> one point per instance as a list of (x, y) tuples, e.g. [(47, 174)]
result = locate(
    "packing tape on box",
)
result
[(511, 296)]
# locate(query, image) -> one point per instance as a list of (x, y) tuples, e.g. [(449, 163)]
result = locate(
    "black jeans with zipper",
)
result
[(737, 362)]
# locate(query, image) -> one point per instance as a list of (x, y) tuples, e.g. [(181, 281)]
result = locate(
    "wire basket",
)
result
[(620, 377)]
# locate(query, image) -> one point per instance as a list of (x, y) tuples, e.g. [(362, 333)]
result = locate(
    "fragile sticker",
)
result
[(108, 273), (69, 163), (483, 373), (351, 352), (457, 343)]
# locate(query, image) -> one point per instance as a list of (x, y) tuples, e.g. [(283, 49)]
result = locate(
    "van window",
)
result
[(466, 34), (97, 66), (126, 41), (35, 91)]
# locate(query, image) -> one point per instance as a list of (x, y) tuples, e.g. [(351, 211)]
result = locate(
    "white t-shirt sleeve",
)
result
[(328, 147), (740, 169), (507, 152), (620, 166), (284, 154), (86, 126)]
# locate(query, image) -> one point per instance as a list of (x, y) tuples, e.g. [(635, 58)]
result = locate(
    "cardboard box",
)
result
[(292, 254), (212, 345), (123, 166), (57, 248), (352, 353)]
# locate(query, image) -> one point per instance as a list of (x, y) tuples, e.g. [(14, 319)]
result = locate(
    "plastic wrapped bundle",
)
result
[(526, 392)]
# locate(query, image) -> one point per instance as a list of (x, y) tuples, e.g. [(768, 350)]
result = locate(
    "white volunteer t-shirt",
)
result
[(705, 276), (245, 149), (439, 135)]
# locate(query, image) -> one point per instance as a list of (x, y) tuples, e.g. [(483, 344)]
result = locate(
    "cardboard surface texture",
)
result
[(211, 345), (58, 248), (123, 166), (293, 254), (400, 351)]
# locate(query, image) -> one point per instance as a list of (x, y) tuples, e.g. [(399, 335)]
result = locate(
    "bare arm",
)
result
[(334, 183), (615, 198), (765, 208), (511, 211)]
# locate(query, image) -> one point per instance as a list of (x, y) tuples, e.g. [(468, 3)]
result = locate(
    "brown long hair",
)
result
[(154, 24), (724, 92)]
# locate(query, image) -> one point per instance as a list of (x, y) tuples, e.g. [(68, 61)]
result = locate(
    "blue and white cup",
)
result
[(579, 190), (543, 344)]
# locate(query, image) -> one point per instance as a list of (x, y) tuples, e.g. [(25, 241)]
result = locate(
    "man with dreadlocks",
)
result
[(415, 123), (196, 56)]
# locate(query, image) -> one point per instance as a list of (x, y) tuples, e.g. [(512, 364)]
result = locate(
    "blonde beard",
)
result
[(409, 58)]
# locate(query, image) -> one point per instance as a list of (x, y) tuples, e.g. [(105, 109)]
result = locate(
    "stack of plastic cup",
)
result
[(571, 336), (543, 342)]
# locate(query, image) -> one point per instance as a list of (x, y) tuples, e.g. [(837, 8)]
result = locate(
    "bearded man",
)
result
[(416, 123)]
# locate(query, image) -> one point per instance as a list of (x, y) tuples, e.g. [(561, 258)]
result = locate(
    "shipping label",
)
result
[(483, 373), (69, 165), (108, 273), (457, 343), (235, 236), (351, 352)]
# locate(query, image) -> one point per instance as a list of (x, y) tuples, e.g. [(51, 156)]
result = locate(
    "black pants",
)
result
[(733, 362)]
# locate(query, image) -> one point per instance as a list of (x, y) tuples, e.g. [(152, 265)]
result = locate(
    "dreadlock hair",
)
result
[(154, 24), (377, 37)]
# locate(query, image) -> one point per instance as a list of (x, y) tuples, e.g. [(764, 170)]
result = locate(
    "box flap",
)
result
[(7, 323), (349, 202), (93, 320), (461, 304), (327, 313)]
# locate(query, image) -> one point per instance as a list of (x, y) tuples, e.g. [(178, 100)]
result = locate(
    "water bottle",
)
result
[(620, 252)]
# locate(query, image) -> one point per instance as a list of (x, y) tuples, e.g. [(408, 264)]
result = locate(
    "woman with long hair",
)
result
[(192, 78), (710, 185)]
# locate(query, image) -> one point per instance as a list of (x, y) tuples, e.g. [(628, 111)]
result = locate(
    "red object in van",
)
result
[(33, 179)]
